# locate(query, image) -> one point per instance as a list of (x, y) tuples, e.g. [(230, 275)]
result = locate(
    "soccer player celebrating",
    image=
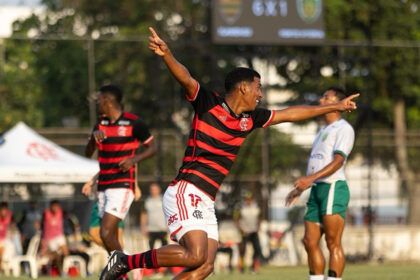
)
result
[(220, 126)]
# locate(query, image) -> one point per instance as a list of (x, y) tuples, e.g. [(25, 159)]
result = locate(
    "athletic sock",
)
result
[(333, 278), (143, 260), (316, 277)]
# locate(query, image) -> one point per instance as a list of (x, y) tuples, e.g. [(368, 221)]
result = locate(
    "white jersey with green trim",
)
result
[(337, 137)]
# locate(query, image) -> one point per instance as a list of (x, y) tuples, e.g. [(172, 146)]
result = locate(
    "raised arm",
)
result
[(299, 113), (179, 71)]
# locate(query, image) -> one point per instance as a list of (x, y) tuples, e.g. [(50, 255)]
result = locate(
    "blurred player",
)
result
[(329, 197), (219, 128), (117, 135)]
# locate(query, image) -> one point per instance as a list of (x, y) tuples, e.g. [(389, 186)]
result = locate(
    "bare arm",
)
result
[(305, 182), (87, 187), (150, 150), (90, 147), (299, 113), (179, 71)]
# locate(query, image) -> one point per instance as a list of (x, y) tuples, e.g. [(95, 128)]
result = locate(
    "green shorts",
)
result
[(327, 199), (95, 220)]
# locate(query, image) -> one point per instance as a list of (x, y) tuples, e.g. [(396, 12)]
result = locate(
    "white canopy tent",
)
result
[(27, 157)]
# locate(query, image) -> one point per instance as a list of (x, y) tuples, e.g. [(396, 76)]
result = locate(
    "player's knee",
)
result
[(105, 234), (309, 243), (196, 259), (333, 245), (207, 269)]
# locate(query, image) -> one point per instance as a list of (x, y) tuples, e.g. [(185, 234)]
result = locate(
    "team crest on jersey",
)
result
[(122, 131), (244, 124), (324, 137), (230, 10), (198, 214), (309, 10)]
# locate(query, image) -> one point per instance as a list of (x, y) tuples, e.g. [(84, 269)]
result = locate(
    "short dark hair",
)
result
[(112, 91), (238, 75), (3, 204), (339, 92), (54, 201)]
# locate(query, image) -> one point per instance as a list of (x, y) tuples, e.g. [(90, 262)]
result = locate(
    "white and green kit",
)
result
[(329, 195)]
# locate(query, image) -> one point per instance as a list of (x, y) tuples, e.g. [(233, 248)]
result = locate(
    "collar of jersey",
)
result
[(227, 109)]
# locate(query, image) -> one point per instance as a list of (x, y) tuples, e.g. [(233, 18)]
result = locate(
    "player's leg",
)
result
[(333, 227), (316, 261), (242, 251), (163, 237), (313, 233), (334, 212), (257, 251), (109, 232), (152, 239), (113, 206), (203, 270), (191, 253)]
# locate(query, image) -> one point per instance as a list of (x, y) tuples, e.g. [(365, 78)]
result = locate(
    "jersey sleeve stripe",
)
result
[(341, 153), (147, 142), (197, 89), (270, 119)]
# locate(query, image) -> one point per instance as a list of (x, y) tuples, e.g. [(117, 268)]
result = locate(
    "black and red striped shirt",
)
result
[(123, 137), (215, 138)]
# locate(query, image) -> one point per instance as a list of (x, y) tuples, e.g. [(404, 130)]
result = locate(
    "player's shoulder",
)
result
[(130, 116), (345, 124)]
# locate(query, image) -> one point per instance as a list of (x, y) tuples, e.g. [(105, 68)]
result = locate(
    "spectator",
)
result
[(29, 224), (248, 221), (152, 219), (6, 219)]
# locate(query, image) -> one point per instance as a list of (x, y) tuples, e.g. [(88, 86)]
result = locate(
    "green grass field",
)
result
[(352, 272)]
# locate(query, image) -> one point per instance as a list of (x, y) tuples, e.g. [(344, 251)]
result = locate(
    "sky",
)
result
[(11, 10)]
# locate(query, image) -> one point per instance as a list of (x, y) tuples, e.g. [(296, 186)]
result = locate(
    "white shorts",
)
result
[(187, 208), (56, 243), (116, 202)]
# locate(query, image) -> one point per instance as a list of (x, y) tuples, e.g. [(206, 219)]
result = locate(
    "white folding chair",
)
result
[(29, 257)]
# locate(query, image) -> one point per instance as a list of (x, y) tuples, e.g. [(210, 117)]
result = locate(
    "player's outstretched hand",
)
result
[(157, 45), (347, 104), (292, 197)]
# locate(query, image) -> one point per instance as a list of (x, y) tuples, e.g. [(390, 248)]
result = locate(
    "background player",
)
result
[(329, 197)]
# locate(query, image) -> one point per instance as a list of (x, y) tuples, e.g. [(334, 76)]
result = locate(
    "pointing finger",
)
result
[(154, 33)]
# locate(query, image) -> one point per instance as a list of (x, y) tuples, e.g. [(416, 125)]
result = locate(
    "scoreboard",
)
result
[(267, 22)]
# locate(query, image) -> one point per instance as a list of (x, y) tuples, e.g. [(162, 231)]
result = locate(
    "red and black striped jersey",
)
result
[(123, 137), (215, 138)]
